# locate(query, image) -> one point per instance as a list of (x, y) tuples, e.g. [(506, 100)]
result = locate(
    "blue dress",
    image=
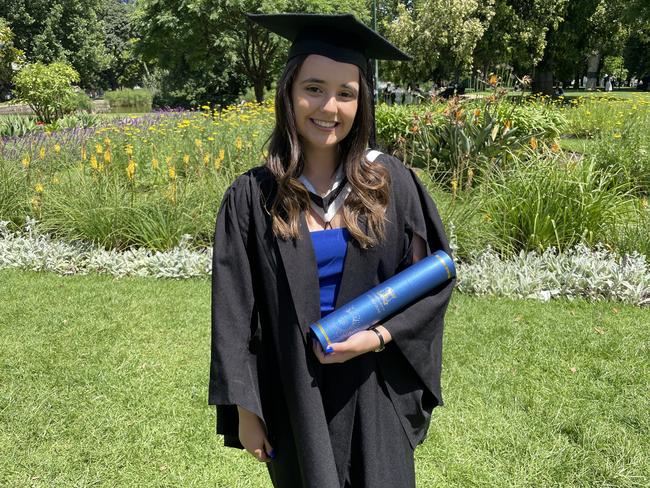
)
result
[(330, 246)]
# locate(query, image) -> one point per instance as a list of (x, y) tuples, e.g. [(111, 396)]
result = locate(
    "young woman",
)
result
[(323, 221)]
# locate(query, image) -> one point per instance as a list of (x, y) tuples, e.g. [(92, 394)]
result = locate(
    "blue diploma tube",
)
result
[(384, 299)]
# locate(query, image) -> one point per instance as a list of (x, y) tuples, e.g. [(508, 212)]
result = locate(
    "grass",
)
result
[(104, 383)]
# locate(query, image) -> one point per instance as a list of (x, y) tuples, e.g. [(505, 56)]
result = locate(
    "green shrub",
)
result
[(77, 101), (633, 233), (14, 192), (548, 200), (79, 119), (17, 125), (126, 97), (47, 89), (624, 150)]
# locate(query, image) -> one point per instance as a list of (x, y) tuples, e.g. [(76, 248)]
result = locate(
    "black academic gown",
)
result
[(369, 412)]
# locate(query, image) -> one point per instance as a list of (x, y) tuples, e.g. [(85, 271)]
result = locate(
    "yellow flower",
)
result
[(533, 143), (36, 202), (25, 162), (107, 156), (555, 147), (617, 136), (41, 153), (172, 173), (130, 170), (492, 80), (154, 164), (454, 186), (39, 187), (83, 153), (206, 159), (168, 160), (93, 162), (129, 150), (222, 154), (186, 159), (107, 141), (99, 149), (57, 148), (56, 180), (238, 143), (198, 142), (210, 139)]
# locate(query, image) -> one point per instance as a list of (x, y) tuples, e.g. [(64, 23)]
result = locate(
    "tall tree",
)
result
[(11, 58), (519, 33), (441, 35), (211, 52), (124, 67), (51, 30)]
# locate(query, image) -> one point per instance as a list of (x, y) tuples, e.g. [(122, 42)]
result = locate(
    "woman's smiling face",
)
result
[(325, 96)]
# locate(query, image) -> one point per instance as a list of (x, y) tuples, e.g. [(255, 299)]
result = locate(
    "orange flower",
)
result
[(533, 143), (493, 80)]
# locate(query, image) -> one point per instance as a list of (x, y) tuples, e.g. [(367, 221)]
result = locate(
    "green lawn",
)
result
[(104, 383)]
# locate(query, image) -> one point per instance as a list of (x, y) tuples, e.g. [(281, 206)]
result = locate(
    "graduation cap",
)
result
[(340, 37)]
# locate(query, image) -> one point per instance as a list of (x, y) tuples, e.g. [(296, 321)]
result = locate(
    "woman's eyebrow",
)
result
[(323, 82)]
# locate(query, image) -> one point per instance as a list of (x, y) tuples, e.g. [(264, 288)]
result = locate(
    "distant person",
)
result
[(608, 83)]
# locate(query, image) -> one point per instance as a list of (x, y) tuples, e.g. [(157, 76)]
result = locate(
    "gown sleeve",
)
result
[(233, 362), (417, 330)]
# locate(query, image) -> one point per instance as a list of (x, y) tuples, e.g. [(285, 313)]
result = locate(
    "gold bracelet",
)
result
[(381, 339)]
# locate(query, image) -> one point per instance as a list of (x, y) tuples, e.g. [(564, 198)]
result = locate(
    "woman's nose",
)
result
[(329, 103)]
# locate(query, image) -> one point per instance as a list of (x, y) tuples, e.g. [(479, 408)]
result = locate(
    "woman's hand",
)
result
[(252, 436), (355, 345)]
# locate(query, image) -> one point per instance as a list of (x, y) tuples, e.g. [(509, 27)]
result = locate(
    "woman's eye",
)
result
[(313, 89), (347, 95)]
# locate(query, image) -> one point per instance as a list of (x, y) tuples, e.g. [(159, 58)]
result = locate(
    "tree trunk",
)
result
[(543, 82), (258, 86)]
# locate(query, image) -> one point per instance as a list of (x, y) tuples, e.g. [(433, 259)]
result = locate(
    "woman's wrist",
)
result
[(376, 341)]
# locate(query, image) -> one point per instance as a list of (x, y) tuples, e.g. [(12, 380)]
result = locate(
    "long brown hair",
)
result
[(369, 181)]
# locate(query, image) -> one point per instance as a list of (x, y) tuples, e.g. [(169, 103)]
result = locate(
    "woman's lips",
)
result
[(328, 129)]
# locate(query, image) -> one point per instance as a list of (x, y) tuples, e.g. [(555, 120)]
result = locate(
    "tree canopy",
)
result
[(196, 51)]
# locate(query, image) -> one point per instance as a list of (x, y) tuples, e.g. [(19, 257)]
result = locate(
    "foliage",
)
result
[(78, 120), (129, 98), (440, 35), (11, 58), (210, 52), (580, 272), (77, 101), (518, 32), (17, 125), (548, 200), (47, 88), (124, 67), (615, 65), (141, 181), (619, 137), (460, 141), (60, 30)]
